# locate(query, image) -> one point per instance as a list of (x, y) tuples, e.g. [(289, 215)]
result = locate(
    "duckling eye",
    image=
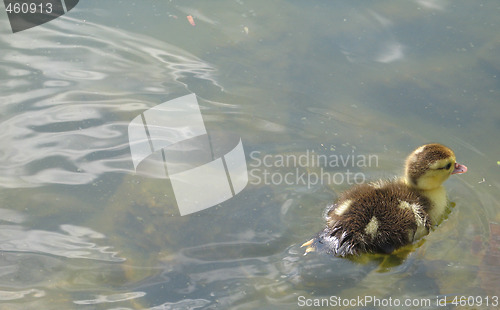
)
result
[(447, 167)]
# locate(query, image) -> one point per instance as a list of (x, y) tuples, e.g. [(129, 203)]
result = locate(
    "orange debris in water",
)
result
[(191, 20)]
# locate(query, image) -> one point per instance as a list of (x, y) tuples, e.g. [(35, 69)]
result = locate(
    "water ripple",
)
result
[(99, 299), (12, 295), (68, 97), (73, 242), (374, 42)]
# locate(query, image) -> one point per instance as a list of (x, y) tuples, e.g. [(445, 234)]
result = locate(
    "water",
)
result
[(81, 230)]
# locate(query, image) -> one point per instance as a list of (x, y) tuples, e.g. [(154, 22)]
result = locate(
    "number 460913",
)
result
[(28, 8), (475, 301)]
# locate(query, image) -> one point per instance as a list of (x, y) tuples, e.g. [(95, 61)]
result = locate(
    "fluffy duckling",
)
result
[(386, 215)]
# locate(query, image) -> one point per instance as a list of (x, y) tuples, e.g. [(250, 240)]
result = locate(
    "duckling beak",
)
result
[(459, 169)]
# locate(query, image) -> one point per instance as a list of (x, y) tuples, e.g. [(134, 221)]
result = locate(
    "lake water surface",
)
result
[(358, 83)]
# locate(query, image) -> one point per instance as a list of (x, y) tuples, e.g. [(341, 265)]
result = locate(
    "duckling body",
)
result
[(383, 216)]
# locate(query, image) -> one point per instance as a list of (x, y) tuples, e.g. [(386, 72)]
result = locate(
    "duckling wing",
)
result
[(372, 218)]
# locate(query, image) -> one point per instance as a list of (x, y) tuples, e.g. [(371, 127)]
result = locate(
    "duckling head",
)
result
[(430, 165)]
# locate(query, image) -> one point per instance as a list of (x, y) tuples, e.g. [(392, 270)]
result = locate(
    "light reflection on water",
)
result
[(67, 106), (15, 238), (79, 229), (24, 251)]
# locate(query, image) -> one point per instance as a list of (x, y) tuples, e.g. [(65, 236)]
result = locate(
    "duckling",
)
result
[(383, 216)]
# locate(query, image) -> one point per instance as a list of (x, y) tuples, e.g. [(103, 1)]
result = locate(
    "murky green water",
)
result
[(81, 230)]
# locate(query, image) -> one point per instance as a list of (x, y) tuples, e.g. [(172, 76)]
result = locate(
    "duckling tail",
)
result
[(333, 241)]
